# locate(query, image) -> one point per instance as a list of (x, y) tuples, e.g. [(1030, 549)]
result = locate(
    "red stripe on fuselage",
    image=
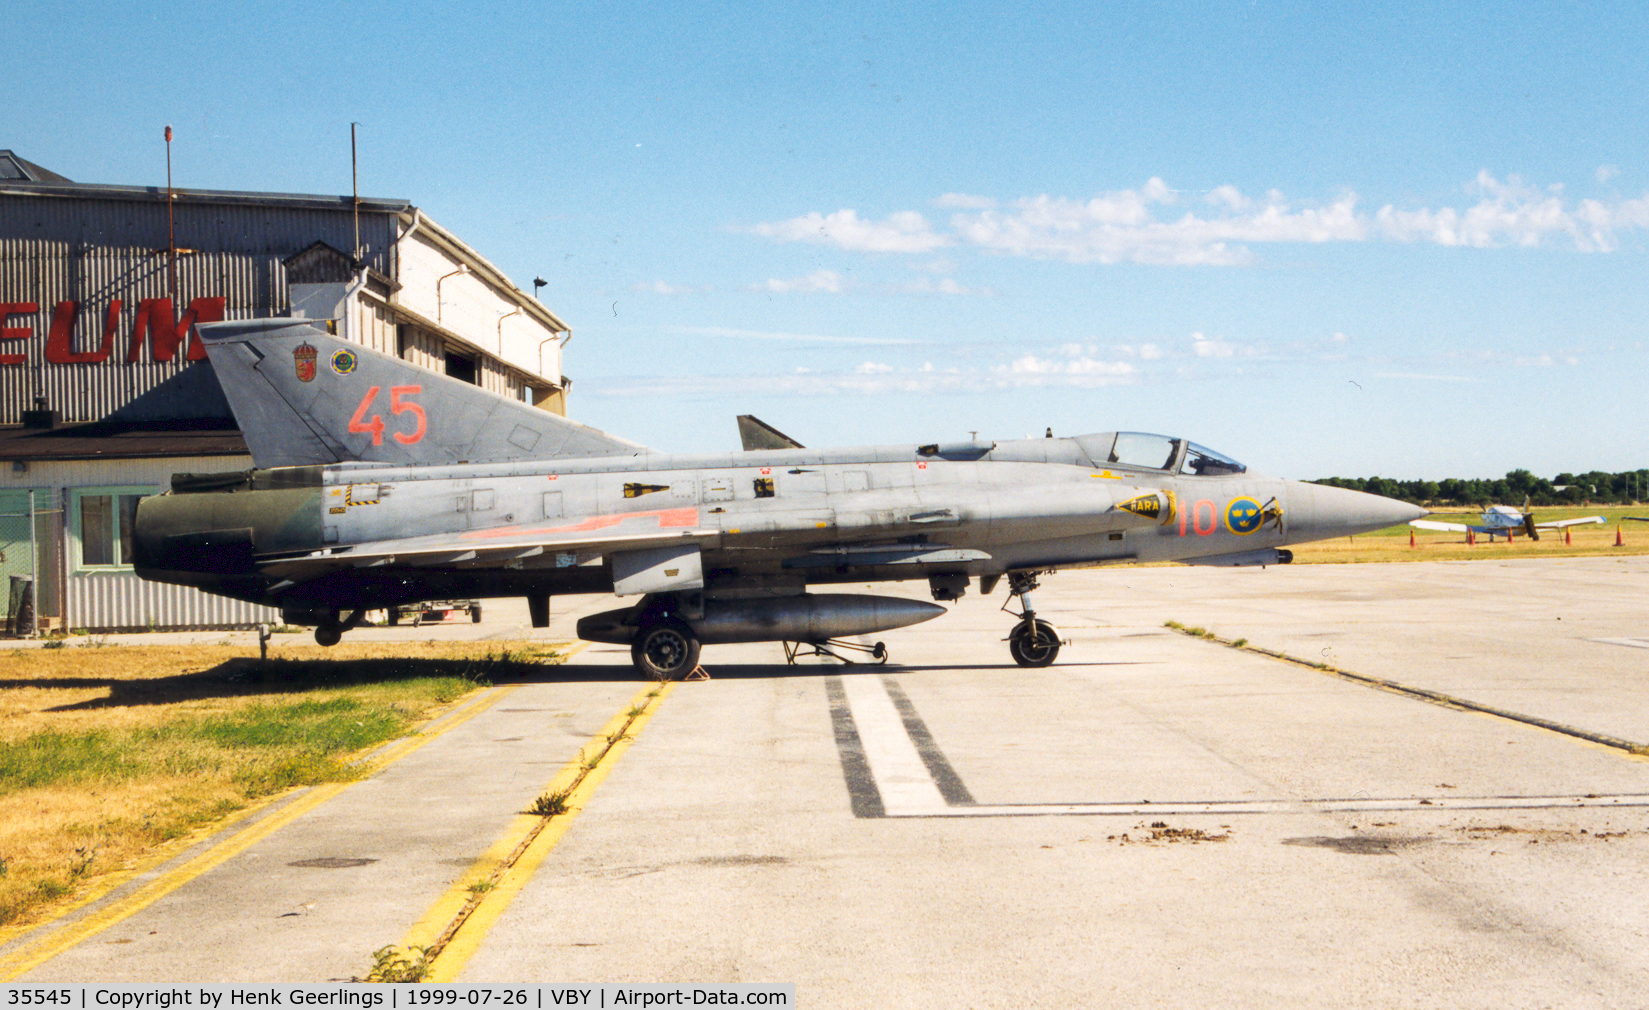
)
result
[(666, 519)]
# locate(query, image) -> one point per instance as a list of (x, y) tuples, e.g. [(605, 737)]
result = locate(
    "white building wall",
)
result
[(108, 599), (473, 308)]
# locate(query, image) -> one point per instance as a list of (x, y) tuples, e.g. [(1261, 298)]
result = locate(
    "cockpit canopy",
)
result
[(1157, 452)]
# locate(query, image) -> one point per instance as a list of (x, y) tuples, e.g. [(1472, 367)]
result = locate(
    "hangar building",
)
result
[(104, 387)]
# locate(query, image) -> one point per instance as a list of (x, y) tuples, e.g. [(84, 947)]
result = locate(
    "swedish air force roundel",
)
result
[(343, 361), (1243, 516)]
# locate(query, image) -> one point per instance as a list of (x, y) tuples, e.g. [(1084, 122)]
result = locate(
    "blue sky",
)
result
[(1383, 239)]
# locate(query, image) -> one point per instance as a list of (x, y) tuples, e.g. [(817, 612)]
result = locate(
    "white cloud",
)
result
[(1148, 224), (807, 338), (825, 281), (1124, 227), (1511, 213), (1059, 369), (905, 231), (1206, 347), (667, 289), (1229, 196), (942, 286), (963, 201), (1606, 172), (1427, 378)]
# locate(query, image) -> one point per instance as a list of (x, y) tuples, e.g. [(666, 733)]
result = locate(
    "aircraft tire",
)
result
[(475, 614), (328, 635), (1033, 643), (667, 650)]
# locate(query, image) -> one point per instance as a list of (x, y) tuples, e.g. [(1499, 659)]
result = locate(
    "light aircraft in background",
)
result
[(378, 483), (1503, 521)]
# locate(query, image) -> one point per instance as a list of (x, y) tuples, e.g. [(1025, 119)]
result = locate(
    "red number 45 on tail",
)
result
[(397, 405)]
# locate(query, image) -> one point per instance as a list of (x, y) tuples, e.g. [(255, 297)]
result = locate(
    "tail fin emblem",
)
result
[(303, 357)]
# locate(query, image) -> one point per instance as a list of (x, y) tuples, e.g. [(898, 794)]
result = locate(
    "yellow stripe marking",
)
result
[(460, 920), (31, 955)]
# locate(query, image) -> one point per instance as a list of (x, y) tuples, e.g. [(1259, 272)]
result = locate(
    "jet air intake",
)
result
[(805, 618)]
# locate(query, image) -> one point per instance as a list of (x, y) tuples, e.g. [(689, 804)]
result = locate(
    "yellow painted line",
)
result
[(31, 955), (450, 960)]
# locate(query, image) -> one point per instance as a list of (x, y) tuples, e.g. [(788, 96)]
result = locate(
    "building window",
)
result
[(104, 519), (461, 367)]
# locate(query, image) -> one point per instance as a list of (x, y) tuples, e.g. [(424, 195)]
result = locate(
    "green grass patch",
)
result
[(263, 746)]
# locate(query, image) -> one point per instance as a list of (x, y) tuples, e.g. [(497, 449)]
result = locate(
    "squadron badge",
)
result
[(343, 361), (303, 358)]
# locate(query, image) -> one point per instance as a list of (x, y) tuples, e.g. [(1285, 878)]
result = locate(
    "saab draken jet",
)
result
[(377, 483)]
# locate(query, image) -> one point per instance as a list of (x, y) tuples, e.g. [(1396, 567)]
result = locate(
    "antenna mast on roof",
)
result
[(171, 233), (355, 189)]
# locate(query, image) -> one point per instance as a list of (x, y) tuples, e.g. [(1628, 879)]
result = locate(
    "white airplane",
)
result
[(1503, 521)]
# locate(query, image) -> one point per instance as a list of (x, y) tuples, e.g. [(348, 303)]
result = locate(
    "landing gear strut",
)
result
[(833, 647), (1033, 641)]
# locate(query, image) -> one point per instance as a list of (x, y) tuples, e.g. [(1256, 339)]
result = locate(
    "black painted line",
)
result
[(862, 794), (944, 776), (1434, 697)]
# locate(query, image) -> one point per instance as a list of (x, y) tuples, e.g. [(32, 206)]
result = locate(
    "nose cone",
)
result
[(1319, 512)]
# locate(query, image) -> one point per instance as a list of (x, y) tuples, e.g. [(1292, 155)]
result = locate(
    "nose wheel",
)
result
[(1033, 641)]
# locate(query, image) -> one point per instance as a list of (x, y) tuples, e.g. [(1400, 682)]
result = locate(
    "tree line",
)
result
[(1592, 488)]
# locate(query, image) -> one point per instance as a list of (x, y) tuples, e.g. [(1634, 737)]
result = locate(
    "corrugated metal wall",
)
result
[(92, 251), (120, 601)]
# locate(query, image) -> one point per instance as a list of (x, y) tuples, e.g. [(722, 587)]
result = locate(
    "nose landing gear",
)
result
[(1033, 641)]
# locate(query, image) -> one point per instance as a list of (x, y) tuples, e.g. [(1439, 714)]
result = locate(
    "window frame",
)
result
[(77, 548)]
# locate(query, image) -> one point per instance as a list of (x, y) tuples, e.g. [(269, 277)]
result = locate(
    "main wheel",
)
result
[(1033, 643), (665, 651), (328, 635), (475, 614)]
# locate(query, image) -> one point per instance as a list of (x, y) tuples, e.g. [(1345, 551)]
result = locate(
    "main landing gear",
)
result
[(1033, 641), (665, 650)]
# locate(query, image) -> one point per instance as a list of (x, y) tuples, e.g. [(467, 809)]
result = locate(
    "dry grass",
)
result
[(111, 757)]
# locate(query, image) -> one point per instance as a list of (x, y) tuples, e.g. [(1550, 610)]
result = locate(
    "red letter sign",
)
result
[(15, 332)]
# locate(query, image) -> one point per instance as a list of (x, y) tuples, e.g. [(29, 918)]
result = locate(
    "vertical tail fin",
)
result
[(303, 396)]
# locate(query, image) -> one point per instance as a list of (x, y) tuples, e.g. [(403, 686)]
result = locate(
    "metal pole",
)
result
[(171, 234), (355, 188), (34, 572)]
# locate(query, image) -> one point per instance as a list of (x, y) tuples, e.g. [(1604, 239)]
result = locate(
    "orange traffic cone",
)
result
[(1411, 538), (1566, 540), (1619, 542), (1471, 538)]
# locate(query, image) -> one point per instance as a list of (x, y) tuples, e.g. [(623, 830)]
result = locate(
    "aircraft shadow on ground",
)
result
[(241, 677)]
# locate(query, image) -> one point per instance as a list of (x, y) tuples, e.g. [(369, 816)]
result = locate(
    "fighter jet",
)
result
[(378, 483), (1503, 521)]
